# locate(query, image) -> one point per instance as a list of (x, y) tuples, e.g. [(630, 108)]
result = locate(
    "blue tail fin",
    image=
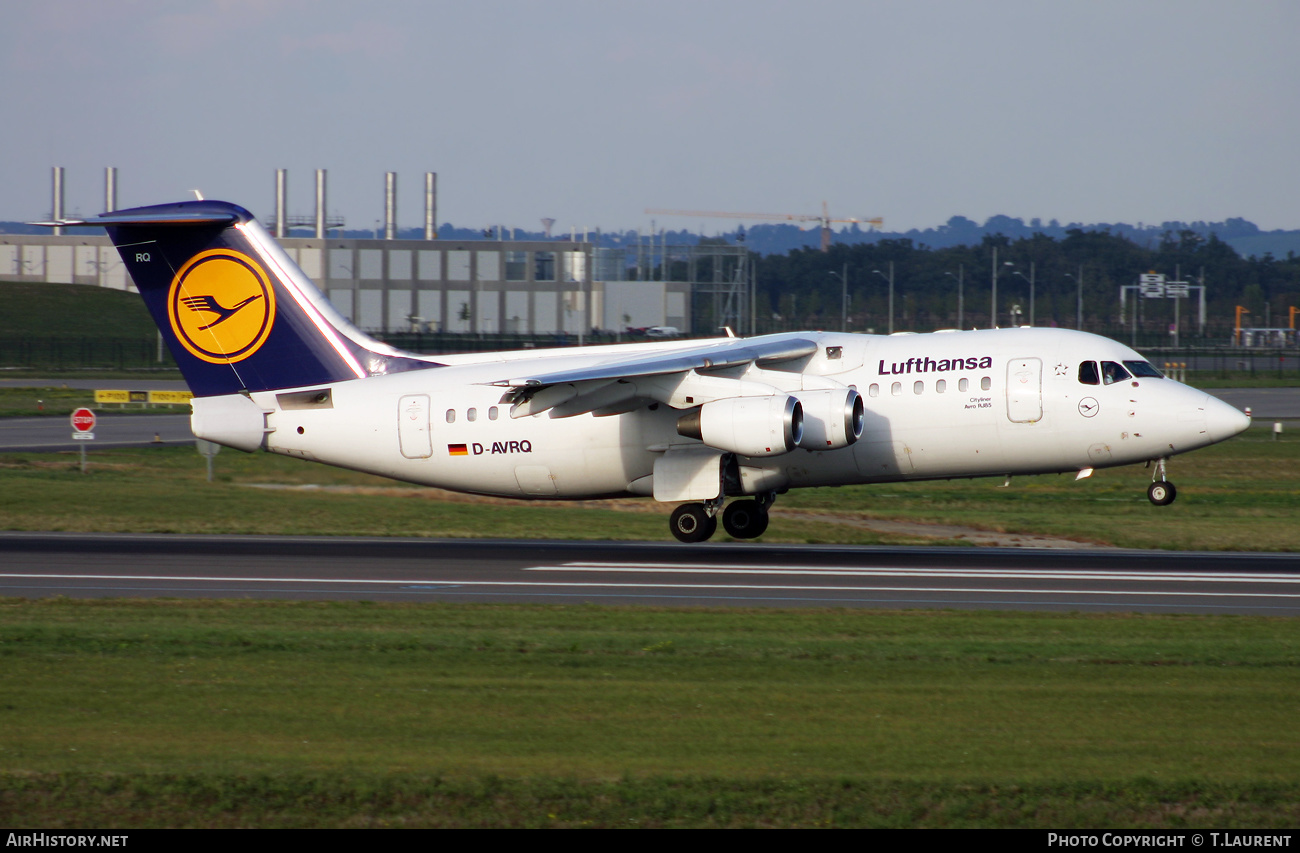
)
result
[(236, 312)]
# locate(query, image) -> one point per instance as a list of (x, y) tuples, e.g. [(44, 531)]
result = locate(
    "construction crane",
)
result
[(824, 220)]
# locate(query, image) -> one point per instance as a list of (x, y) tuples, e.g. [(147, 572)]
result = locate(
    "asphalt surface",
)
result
[(34, 565), (112, 429)]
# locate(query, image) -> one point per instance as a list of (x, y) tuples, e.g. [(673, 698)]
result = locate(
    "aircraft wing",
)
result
[(737, 351), (584, 389)]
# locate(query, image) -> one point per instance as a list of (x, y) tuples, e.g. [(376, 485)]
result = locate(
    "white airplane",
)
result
[(274, 366)]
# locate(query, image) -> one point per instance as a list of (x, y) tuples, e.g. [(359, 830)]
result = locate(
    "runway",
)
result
[(36, 565)]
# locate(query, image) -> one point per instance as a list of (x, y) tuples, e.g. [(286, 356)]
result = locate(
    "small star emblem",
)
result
[(1061, 369)]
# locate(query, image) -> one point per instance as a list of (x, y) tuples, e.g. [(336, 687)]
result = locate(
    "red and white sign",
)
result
[(83, 422)]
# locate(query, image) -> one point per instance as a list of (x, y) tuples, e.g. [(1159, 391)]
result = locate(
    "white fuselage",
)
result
[(942, 405)]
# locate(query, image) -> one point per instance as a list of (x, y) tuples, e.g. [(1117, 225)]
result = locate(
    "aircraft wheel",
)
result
[(745, 519), (690, 523), (1161, 493)]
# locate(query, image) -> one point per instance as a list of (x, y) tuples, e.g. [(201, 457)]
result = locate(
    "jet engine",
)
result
[(750, 426), (832, 419)]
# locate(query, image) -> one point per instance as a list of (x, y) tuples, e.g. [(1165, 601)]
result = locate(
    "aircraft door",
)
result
[(413, 426), (1025, 390)]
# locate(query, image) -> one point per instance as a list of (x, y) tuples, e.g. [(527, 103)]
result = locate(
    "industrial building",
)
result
[(385, 285)]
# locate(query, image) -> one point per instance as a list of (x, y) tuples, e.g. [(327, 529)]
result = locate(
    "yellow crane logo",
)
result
[(221, 306)]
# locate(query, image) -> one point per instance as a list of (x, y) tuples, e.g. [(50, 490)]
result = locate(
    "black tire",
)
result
[(745, 520), (1161, 493), (690, 523)]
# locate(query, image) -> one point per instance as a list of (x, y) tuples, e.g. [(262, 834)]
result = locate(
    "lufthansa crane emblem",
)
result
[(221, 306)]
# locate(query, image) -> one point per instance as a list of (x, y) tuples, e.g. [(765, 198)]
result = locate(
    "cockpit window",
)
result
[(1112, 372), (1143, 368), (1088, 373)]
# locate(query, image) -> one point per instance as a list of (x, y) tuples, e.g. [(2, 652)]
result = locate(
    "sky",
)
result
[(589, 112)]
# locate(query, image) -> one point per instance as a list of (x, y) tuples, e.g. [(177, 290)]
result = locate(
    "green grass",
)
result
[(1243, 494), (1240, 495), (72, 310), (47, 401), (59, 401), (128, 713), (164, 490)]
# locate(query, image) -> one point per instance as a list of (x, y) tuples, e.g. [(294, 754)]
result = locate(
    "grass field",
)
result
[(60, 401), (131, 713), (1240, 495), (72, 309)]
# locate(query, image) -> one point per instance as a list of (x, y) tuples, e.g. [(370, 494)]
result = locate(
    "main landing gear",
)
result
[(743, 519), (1161, 492)]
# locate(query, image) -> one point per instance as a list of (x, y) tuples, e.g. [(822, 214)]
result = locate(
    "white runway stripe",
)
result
[(412, 582), (996, 574)]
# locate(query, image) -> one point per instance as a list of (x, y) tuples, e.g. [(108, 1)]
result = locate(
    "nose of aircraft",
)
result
[(1223, 421)]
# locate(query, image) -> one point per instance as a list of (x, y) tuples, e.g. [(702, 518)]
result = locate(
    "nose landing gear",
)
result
[(1161, 492)]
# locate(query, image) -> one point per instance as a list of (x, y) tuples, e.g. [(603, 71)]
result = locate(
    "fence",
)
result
[(1258, 362)]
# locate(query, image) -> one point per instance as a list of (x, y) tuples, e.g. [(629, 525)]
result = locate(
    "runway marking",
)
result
[(679, 586), (1026, 574), (623, 596)]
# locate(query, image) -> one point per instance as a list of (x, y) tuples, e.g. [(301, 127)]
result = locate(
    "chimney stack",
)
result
[(57, 206), (281, 190), (320, 204), (110, 189), (431, 205), (390, 205)]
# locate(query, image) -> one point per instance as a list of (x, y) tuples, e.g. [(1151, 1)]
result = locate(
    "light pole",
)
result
[(890, 279), (844, 297), (1078, 302), (961, 278), (993, 313), (1031, 289)]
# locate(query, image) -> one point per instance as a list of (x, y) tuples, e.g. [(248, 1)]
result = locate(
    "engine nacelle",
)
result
[(750, 426), (832, 419)]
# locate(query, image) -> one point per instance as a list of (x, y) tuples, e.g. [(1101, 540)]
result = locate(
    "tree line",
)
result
[(804, 288)]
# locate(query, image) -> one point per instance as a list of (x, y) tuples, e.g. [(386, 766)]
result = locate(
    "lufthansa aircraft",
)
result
[(274, 366)]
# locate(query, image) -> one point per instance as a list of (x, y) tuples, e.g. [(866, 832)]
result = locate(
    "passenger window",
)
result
[(918, 387), (874, 390), (492, 413), (1088, 373), (471, 415), (1112, 372), (451, 416), (986, 383), (963, 385), (896, 388), (941, 386)]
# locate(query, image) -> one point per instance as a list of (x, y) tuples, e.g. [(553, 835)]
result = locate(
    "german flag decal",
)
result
[(458, 450)]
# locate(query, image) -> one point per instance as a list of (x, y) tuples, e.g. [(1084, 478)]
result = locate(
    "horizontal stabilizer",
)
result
[(179, 216)]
